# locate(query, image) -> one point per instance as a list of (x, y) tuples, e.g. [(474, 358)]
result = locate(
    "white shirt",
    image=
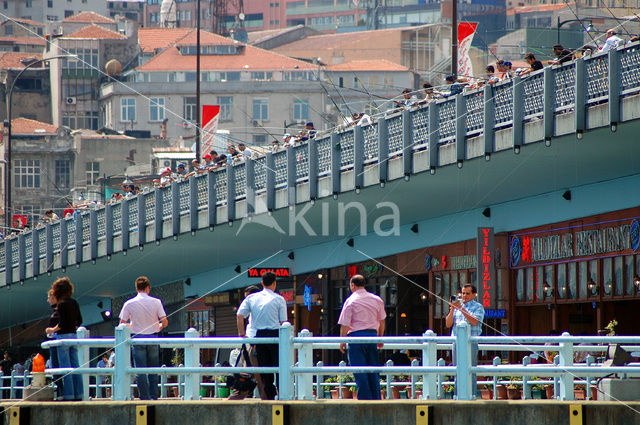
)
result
[(267, 309), (246, 153), (611, 43), (144, 313)]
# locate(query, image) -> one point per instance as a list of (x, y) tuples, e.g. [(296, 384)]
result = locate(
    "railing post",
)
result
[(108, 227), (614, 87), (518, 113), (433, 137), (250, 192), (79, 239), (496, 362), (35, 253), (358, 157), (440, 363), (556, 379), (335, 164), (549, 104), (389, 378), (121, 379), (526, 389), (163, 385), (22, 254), (489, 121), (193, 203), (383, 150), (291, 176), (126, 223), (212, 202), (407, 143), (175, 207), (312, 145), (342, 363), (84, 359), (8, 262), (319, 381), (579, 101), (48, 247), (305, 359), (461, 129), (566, 359), (142, 219), (231, 193), (12, 384), (192, 359), (159, 213), (414, 379), (429, 358), (93, 234), (463, 362), (270, 181), (64, 242), (285, 354)]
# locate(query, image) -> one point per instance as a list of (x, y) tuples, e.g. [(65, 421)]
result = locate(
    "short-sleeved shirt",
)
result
[(362, 310), (536, 65), (565, 56), (475, 309), (267, 309), (144, 312)]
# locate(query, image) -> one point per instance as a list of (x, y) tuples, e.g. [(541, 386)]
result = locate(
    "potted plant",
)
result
[(501, 392), (487, 392), (513, 390), (331, 391), (594, 392), (354, 391), (548, 388), (538, 392), (418, 391), (580, 392), (346, 390), (223, 390), (448, 391), (395, 389)]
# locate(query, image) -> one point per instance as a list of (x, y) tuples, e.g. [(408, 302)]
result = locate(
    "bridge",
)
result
[(514, 147)]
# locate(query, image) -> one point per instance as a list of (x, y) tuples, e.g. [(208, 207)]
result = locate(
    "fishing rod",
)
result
[(581, 23)]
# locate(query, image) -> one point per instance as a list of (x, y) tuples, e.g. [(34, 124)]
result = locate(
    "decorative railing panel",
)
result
[(597, 70), (346, 140), (533, 88), (447, 120), (370, 133), (280, 164), (474, 103), (503, 104), (301, 155), (394, 133)]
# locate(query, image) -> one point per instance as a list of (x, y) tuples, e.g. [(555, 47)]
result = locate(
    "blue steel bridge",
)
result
[(515, 147)]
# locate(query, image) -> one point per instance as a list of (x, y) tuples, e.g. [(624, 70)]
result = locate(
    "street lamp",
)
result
[(566, 21), (7, 149)]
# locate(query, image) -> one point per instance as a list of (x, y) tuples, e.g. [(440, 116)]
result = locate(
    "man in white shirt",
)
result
[(246, 153), (612, 41), (146, 317), (268, 311)]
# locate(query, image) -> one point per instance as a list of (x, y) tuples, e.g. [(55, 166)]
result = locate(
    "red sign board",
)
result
[(259, 271), (287, 295), (486, 269)]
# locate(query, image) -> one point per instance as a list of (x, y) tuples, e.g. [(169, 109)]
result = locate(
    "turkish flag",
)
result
[(19, 220)]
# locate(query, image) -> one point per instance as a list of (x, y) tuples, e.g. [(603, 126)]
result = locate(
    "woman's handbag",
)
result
[(242, 382)]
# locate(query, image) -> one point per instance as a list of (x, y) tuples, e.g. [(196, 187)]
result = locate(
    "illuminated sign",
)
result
[(486, 267), (553, 247), (495, 314), (258, 272), (287, 295)]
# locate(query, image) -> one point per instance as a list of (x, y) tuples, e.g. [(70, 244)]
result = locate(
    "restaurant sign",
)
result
[(551, 247), (486, 268)]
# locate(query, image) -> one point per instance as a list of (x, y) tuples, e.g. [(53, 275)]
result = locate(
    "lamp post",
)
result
[(7, 148), (198, 107), (566, 21)]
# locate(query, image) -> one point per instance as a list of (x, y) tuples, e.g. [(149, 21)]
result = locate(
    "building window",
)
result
[(261, 76), (226, 108), (81, 119), (300, 110), (50, 4), (156, 109), (8, 30), (128, 109), (68, 13), (259, 139), (190, 112), (63, 172), (28, 3), (93, 173), (261, 109), (27, 173)]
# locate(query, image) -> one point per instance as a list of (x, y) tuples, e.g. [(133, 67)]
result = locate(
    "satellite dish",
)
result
[(241, 16), (113, 67)]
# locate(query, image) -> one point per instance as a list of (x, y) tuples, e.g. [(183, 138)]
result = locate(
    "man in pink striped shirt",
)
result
[(363, 315)]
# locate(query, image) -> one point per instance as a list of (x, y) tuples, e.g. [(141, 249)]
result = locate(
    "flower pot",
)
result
[(502, 392), (549, 392), (537, 394), (487, 393), (327, 393), (404, 394), (594, 392), (417, 394), (346, 392), (223, 392), (334, 394), (579, 393), (395, 391), (355, 394), (448, 395), (514, 393), (383, 393)]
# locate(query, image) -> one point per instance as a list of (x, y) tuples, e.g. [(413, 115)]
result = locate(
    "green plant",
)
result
[(178, 357), (331, 379), (401, 378), (346, 378), (513, 382), (221, 379), (448, 388), (352, 388), (611, 327)]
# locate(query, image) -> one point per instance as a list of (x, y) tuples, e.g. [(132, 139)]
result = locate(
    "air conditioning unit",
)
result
[(167, 163), (71, 101)]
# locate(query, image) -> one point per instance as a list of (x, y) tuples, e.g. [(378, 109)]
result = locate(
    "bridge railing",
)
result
[(298, 376), (542, 95)]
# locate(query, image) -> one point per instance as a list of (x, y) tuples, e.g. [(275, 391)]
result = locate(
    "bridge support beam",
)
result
[(489, 132), (231, 193), (358, 157), (549, 105), (335, 164), (580, 107), (518, 114), (461, 130), (383, 150), (407, 143), (614, 88), (313, 168), (291, 176), (433, 138)]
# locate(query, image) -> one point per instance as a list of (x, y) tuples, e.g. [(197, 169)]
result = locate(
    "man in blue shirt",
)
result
[(472, 313)]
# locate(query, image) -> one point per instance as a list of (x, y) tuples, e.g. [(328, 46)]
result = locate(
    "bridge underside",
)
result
[(599, 156)]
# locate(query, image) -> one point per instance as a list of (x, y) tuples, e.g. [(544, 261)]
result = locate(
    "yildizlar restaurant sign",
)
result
[(585, 242), (486, 268)]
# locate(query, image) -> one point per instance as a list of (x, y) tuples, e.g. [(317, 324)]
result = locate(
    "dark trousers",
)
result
[(146, 356), (267, 355), (365, 355)]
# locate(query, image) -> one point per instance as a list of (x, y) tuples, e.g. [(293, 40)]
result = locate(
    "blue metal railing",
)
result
[(574, 87), (298, 380)]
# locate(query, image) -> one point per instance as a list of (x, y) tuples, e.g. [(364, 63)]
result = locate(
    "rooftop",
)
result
[(89, 17), (249, 57), (25, 21), (94, 31), (13, 59), (34, 41), (367, 65), (151, 39), (538, 8), (25, 126)]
